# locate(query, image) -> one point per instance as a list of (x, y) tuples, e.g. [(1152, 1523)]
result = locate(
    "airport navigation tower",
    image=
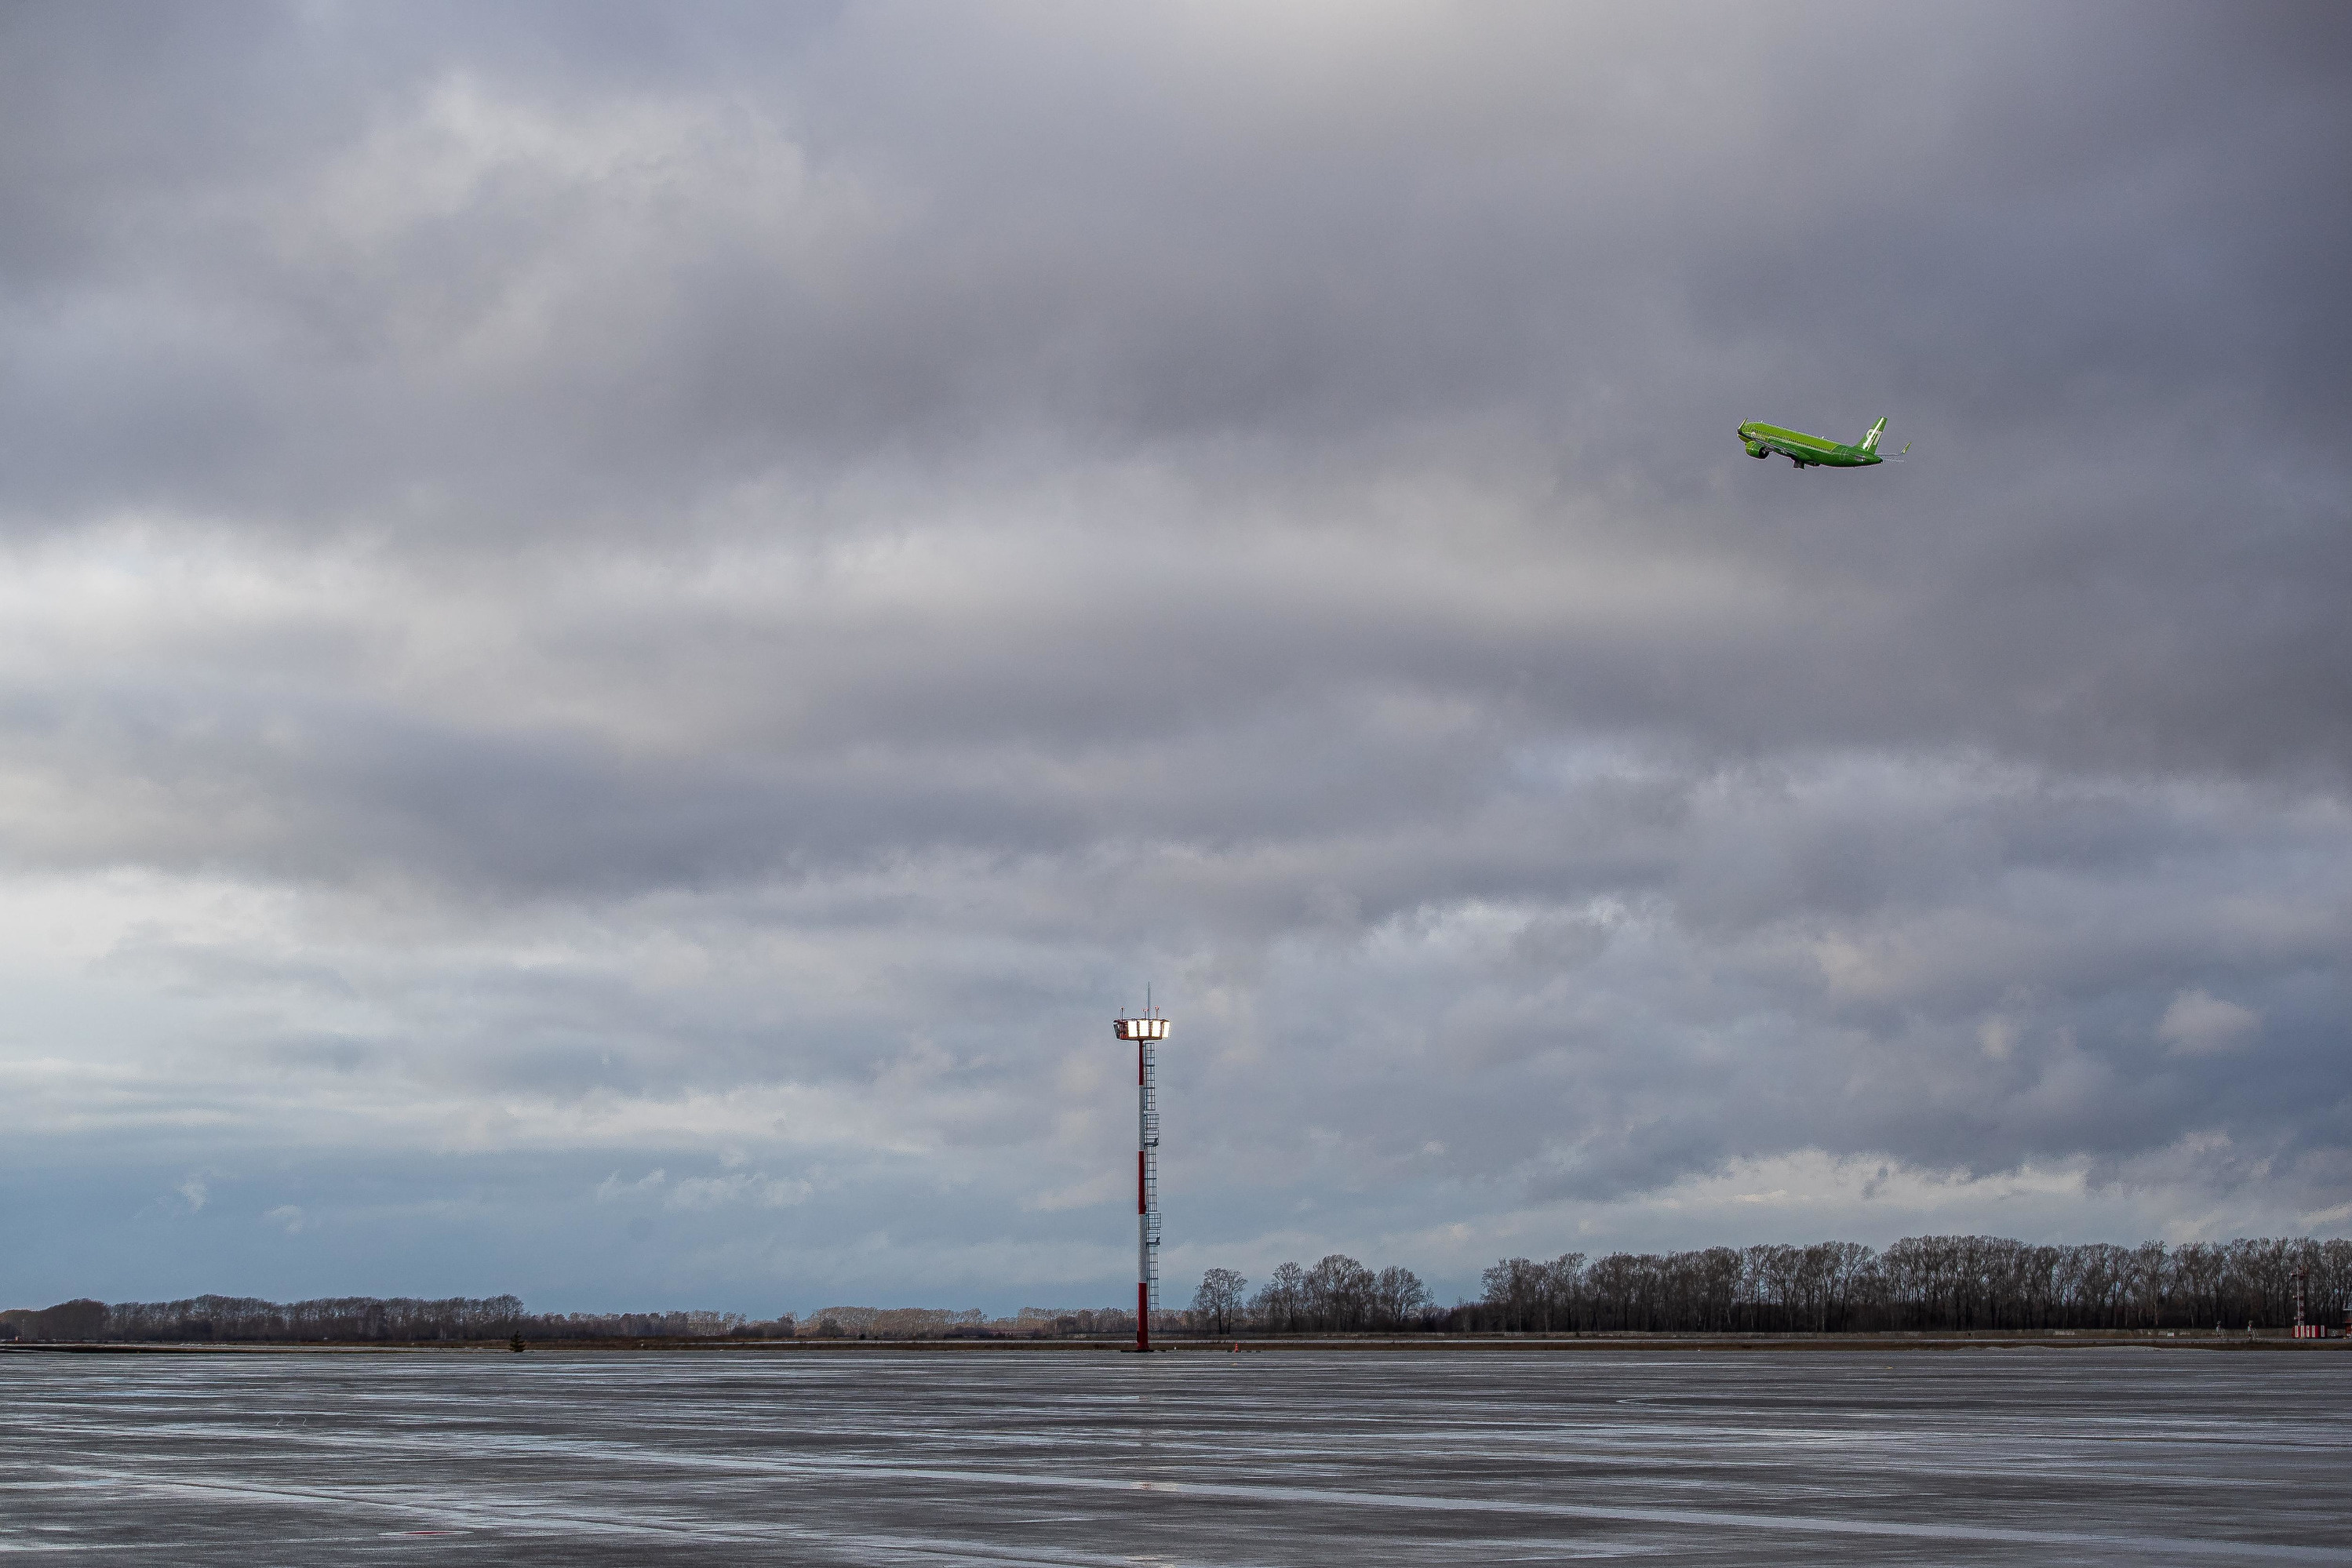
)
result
[(1146, 1032)]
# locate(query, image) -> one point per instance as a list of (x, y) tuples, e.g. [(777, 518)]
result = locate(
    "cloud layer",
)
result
[(624, 629)]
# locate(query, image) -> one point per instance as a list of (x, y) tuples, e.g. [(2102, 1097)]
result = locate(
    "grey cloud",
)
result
[(572, 564)]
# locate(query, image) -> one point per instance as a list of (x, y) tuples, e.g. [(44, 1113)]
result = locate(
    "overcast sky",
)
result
[(628, 627)]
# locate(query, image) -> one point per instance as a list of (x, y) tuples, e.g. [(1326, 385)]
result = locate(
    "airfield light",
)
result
[(1146, 1032)]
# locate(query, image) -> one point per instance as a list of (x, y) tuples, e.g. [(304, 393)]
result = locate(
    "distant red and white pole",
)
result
[(1146, 1032)]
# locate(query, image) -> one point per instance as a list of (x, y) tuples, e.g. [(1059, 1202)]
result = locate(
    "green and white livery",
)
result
[(1811, 451)]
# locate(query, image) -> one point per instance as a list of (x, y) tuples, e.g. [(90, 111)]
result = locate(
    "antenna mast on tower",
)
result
[(1146, 1032)]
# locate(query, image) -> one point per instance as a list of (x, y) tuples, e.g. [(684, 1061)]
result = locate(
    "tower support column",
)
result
[(1146, 1032)]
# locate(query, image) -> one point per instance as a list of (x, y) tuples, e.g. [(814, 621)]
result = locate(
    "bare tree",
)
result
[(1218, 1302), (1338, 1294), (1398, 1298), (1280, 1302)]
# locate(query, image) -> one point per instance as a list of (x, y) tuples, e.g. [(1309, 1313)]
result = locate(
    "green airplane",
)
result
[(1811, 451)]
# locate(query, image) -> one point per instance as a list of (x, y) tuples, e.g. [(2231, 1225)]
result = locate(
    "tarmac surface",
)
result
[(2077, 1456)]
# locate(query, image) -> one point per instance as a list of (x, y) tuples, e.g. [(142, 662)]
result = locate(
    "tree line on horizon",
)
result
[(1337, 1295), (1919, 1283), (363, 1320), (370, 1320)]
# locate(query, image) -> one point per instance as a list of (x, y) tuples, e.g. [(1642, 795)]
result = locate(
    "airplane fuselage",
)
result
[(1806, 451)]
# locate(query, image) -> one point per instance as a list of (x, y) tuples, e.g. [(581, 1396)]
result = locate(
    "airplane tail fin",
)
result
[(1870, 438)]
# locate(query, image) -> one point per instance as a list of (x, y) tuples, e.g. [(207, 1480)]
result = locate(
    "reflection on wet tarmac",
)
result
[(2075, 1456)]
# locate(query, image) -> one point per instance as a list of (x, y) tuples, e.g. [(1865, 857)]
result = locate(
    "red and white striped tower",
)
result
[(1146, 1032)]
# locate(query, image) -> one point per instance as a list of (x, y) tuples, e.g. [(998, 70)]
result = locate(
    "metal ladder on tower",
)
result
[(1149, 1107)]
